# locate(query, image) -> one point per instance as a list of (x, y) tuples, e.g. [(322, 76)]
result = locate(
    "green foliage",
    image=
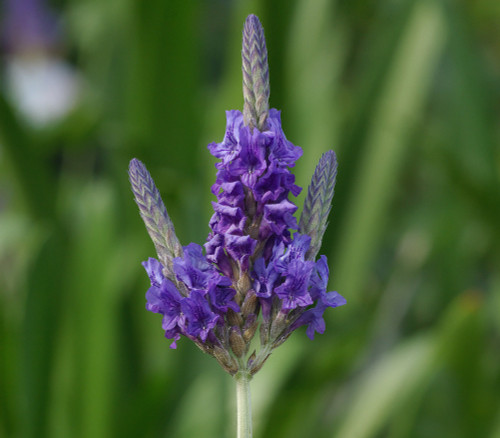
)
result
[(406, 93)]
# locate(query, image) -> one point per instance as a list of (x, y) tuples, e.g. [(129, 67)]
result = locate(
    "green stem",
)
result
[(243, 404)]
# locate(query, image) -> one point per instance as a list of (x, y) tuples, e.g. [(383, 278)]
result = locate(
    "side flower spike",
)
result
[(155, 216), (314, 217)]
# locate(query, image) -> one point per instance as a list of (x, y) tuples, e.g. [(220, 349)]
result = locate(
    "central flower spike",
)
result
[(258, 271), (253, 182)]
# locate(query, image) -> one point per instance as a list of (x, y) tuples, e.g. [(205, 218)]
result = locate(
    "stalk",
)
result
[(243, 405)]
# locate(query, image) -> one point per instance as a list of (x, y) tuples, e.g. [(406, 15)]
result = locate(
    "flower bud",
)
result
[(238, 345)]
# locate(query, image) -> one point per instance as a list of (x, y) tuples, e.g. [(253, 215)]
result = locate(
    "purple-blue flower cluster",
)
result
[(259, 270), (197, 314), (252, 187)]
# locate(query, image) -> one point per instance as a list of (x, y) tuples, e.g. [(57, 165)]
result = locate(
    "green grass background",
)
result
[(406, 92)]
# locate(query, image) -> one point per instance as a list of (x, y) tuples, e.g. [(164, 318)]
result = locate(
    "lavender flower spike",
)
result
[(255, 69), (155, 216), (313, 220), (256, 274)]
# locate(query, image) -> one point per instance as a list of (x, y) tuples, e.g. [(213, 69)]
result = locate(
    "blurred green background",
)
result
[(408, 95)]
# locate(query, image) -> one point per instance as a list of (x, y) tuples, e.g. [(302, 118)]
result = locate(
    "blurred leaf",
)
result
[(94, 294), (42, 321), (201, 405), (399, 380), (496, 429), (399, 105), (27, 163), (315, 55), (392, 381)]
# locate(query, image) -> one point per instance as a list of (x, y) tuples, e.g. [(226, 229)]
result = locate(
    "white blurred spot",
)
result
[(43, 89)]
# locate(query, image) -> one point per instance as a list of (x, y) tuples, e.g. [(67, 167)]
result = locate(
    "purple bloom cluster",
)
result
[(255, 273), (252, 187), (291, 285), (196, 315)]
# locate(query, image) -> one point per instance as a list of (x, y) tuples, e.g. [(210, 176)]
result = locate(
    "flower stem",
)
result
[(243, 404)]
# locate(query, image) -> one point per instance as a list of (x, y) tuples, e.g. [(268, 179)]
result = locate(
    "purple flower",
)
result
[(283, 152), (275, 185), (222, 298), (294, 291), (240, 248), (193, 269), (279, 218), (266, 277), (233, 194), (217, 255), (164, 298), (154, 269), (251, 162), (227, 219), (199, 316), (319, 279), (229, 148), (313, 318), (295, 251)]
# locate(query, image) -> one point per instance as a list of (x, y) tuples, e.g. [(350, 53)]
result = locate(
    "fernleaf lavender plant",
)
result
[(255, 275)]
